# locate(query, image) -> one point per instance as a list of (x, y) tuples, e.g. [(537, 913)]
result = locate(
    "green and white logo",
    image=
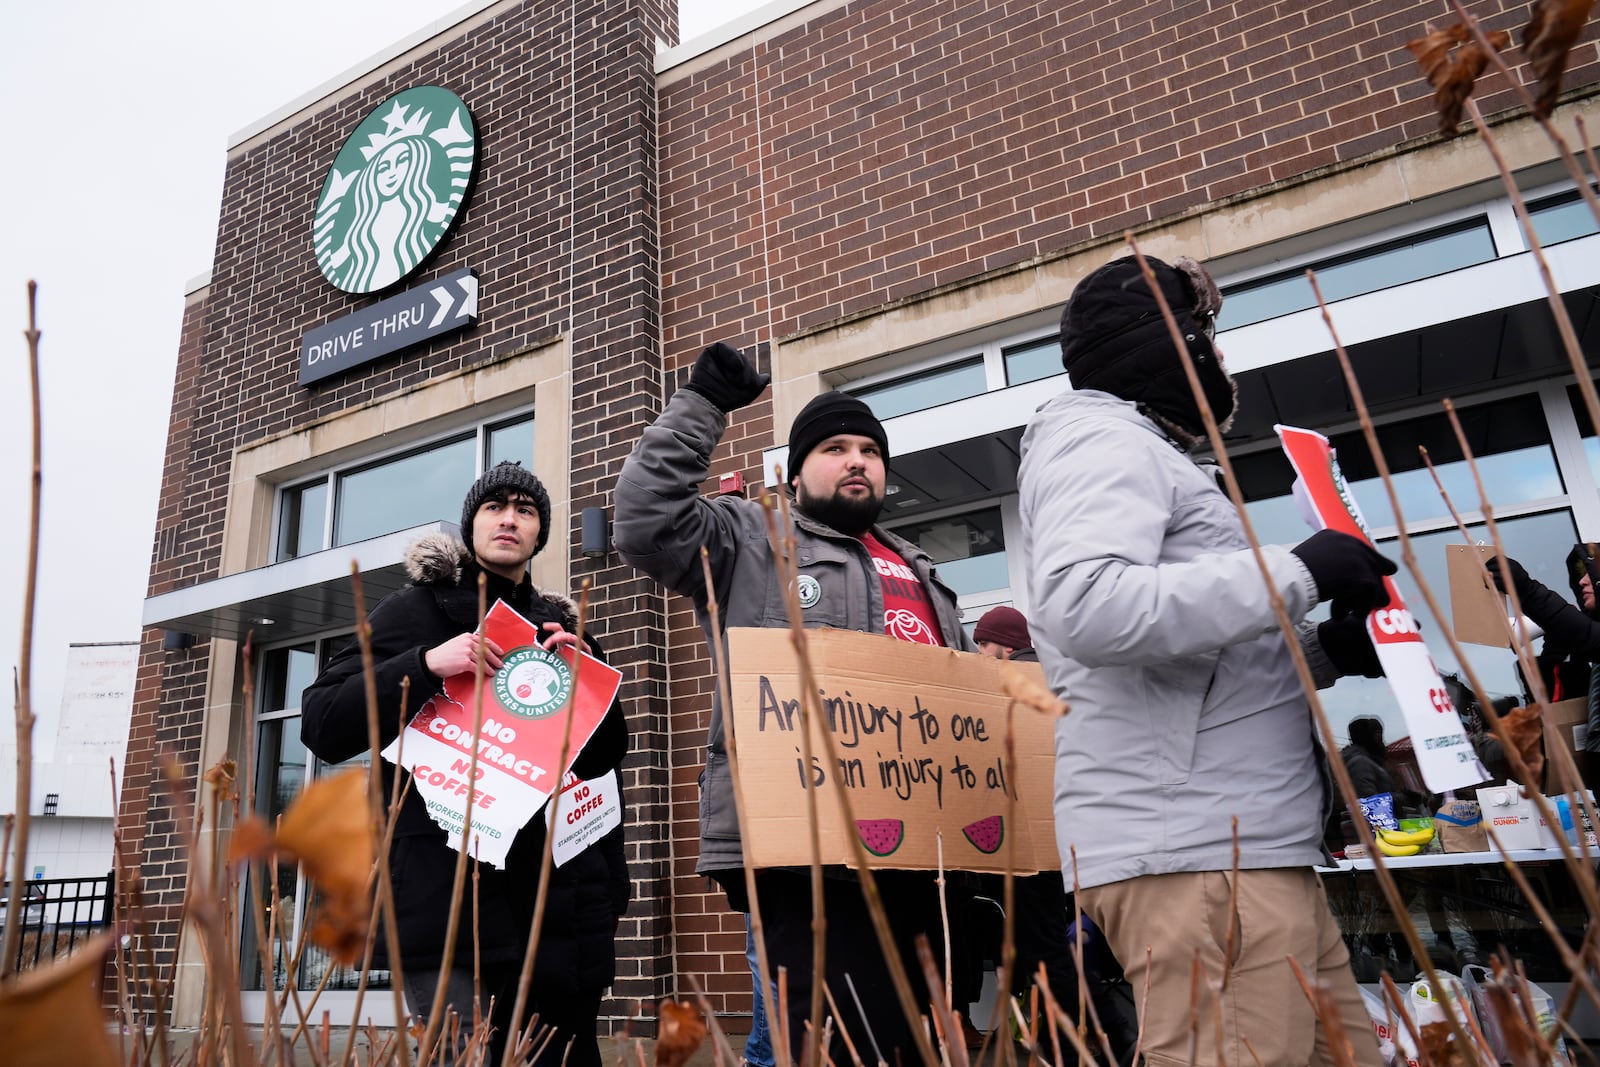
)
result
[(810, 591), (394, 189), (533, 683)]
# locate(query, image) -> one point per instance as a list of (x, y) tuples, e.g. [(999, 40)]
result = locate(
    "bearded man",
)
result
[(853, 575)]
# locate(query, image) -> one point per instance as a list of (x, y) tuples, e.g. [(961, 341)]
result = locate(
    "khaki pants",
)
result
[(1282, 913)]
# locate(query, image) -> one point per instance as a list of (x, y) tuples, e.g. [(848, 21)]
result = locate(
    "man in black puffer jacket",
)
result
[(426, 632)]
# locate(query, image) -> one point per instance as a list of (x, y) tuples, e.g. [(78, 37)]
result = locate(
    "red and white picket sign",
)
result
[(1444, 752), (526, 704)]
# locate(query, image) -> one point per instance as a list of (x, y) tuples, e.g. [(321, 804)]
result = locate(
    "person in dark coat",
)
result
[(1571, 629), (1002, 633), (426, 632)]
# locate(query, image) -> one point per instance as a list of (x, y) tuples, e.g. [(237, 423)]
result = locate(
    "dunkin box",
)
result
[(1515, 820)]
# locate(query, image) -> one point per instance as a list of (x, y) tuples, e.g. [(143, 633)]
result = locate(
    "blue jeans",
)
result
[(758, 1046)]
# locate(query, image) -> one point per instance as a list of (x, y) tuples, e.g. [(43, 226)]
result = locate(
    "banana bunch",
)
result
[(1402, 842)]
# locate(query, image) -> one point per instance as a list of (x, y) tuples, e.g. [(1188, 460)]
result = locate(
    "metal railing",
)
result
[(58, 914)]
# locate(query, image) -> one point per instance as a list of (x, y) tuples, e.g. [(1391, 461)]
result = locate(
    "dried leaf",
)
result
[(1525, 727), (1553, 26), (251, 839), (52, 1015), (679, 1032), (221, 773), (1022, 687), (327, 830), (221, 776), (1439, 1048), (1453, 75)]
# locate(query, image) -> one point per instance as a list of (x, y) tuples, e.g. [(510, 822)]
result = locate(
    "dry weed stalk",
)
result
[(10, 942), (441, 1007), (778, 1021), (783, 553), (1336, 757), (385, 884), (783, 545), (541, 896)]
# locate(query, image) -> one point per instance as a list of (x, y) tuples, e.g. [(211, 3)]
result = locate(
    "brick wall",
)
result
[(905, 147), (559, 249), (883, 150), (872, 154)]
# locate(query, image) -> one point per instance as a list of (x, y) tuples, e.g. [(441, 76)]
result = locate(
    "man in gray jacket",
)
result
[(1150, 615), (854, 575)]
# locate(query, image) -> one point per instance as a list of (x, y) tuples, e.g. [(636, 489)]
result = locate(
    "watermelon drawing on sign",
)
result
[(881, 836), (986, 835)]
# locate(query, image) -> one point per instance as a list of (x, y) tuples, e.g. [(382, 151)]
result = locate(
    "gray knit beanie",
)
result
[(507, 477)]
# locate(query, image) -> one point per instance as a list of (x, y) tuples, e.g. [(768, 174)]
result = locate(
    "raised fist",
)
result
[(726, 377)]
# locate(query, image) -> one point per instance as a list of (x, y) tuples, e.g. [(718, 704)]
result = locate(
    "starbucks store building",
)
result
[(508, 236)]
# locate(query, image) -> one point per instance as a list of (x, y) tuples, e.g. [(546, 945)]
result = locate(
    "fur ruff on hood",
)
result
[(438, 559)]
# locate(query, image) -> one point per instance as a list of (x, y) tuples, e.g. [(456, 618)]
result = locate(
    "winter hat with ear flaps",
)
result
[(1114, 339)]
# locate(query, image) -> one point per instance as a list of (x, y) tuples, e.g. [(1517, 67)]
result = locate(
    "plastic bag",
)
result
[(1425, 1007), (1478, 981), (1383, 1028), (1378, 810)]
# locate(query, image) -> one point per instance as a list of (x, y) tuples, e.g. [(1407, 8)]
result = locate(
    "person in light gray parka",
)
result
[(1150, 616)]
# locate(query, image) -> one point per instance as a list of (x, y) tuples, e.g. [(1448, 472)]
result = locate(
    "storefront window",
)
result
[(1561, 218), (1033, 360), (969, 549), (408, 491), (1420, 256), (1539, 542), (1510, 440), (395, 493), (942, 385), (302, 519), (511, 441), (283, 766)]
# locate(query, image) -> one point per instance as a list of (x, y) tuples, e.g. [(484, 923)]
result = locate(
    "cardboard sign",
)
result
[(1477, 611), (586, 810), (1445, 755), (526, 704), (920, 739)]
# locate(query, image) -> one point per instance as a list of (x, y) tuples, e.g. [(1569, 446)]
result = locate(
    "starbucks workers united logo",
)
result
[(394, 189), (533, 683)]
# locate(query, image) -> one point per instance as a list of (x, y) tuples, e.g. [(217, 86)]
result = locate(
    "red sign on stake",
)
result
[(526, 707), (1444, 752)]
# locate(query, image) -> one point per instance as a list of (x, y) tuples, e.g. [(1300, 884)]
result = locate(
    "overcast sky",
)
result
[(117, 120)]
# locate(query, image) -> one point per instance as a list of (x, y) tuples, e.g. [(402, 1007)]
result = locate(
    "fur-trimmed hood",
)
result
[(440, 559)]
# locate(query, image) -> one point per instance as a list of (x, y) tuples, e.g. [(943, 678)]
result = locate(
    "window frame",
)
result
[(331, 475)]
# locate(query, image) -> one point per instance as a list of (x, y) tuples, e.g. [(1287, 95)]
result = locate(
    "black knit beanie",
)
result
[(507, 477), (827, 415), (1114, 339)]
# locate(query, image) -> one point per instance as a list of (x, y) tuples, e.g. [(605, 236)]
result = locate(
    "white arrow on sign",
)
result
[(447, 300)]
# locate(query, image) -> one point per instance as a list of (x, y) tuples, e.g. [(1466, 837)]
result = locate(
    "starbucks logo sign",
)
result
[(533, 683), (394, 189)]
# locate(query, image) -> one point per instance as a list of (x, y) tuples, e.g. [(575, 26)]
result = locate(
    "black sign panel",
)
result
[(409, 318)]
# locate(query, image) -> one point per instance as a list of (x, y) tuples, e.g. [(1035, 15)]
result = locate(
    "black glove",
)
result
[(1544, 606), (1347, 570), (726, 377), (1349, 647), (1519, 576)]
